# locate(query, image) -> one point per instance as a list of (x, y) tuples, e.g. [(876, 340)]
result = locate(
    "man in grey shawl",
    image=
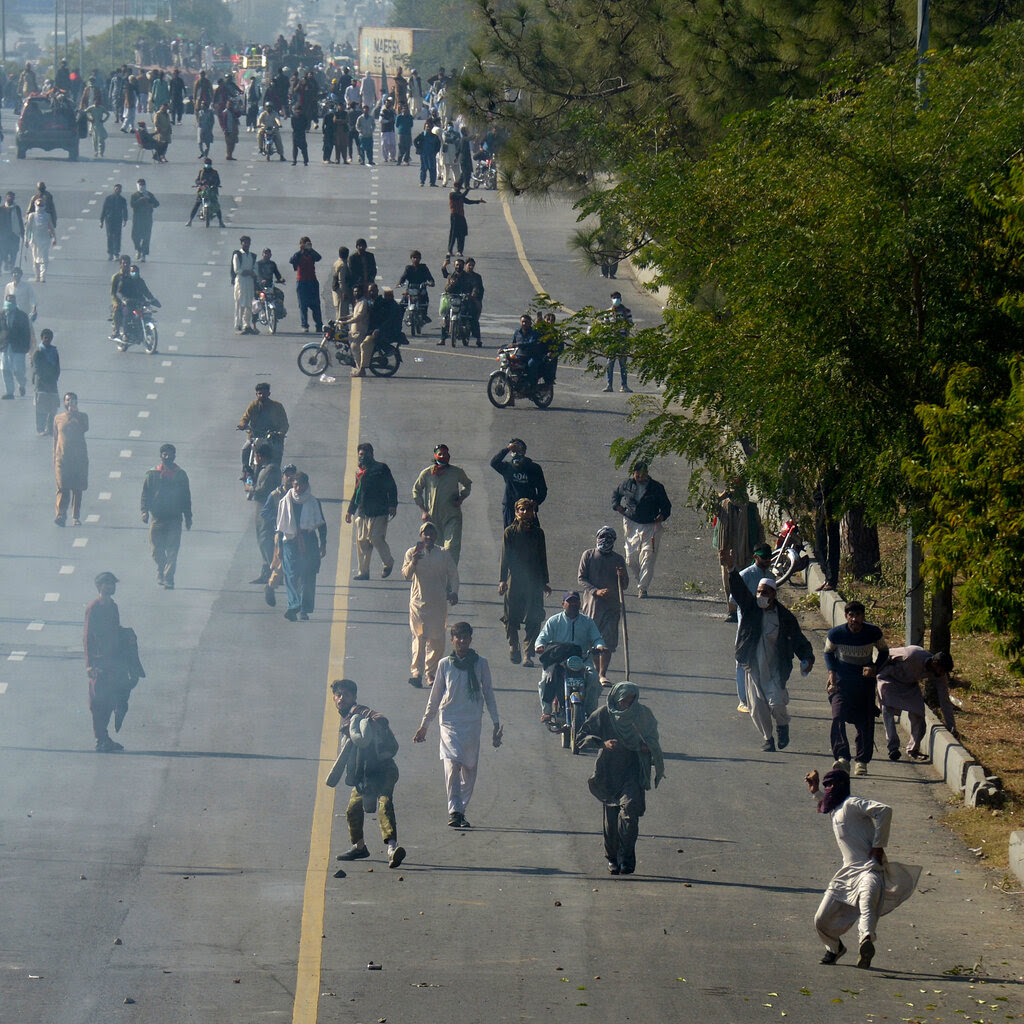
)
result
[(867, 885), (601, 569), (627, 733)]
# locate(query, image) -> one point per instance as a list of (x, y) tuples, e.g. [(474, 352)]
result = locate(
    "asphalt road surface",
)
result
[(191, 878)]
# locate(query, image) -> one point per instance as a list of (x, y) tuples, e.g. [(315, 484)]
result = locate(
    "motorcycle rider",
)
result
[(264, 419), (268, 126), (531, 348), (123, 270), (476, 294), (267, 279), (570, 626), (457, 284), (415, 275), (130, 292), (385, 317), (207, 178)]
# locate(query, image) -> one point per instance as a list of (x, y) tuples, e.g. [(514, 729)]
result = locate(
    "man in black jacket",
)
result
[(523, 579), (167, 498), (644, 506), (768, 639), (374, 501), (523, 479), (113, 217), (15, 341)]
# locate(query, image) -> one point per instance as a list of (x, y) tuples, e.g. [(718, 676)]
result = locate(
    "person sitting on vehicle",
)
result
[(267, 278), (456, 284), (551, 339), (531, 348), (269, 124), (264, 419), (392, 314), (207, 178), (414, 276), (569, 626), (131, 292)]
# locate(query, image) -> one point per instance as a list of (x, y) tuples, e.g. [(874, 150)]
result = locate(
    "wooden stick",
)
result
[(625, 628)]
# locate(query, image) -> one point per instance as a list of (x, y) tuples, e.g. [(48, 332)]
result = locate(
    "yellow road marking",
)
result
[(307, 983), (517, 241)]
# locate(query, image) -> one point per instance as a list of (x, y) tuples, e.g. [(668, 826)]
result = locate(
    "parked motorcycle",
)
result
[(511, 381), (789, 556), (485, 174), (415, 302), (138, 328), (316, 357)]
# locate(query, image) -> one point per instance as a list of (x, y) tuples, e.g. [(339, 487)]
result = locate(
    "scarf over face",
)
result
[(635, 727), (836, 786)]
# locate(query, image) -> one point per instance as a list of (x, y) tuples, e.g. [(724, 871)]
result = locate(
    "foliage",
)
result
[(974, 470), (827, 268), (450, 25)]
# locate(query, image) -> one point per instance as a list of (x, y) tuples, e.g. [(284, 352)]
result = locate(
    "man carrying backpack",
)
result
[(366, 762)]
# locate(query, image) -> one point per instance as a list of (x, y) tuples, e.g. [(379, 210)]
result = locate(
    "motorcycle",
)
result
[(137, 328), (415, 302), (485, 173), (511, 381), (458, 319), (789, 556), (268, 140), (315, 358), (209, 204), (267, 308), (565, 688), (276, 441)]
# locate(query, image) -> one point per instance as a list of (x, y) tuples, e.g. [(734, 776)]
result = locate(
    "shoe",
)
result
[(119, 716), (528, 662), (783, 736), (60, 520), (269, 596), (261, 579), (625, 870), (356, 853), (860, 768), (917, 755), (613, 868), (604, 681), (867, 953), (416, 681), (607, 389), (769, 745), (841, 764), (641, 593), (825, 586), (188, 223), (455, 820), (358, 373), (385, 571), (304, 616), (894, 755), (830, 957), (76, 522), (21, 390), (396, 857), (5, 397), (625, 390), (443, 341), (108, 746), (427, 320), (514, 654), (361, 576), (731, 617), (742, 708), (291, 615), (464, 822)]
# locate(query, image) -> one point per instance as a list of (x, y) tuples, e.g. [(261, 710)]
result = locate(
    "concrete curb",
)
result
[(960, 770)]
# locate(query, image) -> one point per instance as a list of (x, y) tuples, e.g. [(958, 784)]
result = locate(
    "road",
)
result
[(191, 878)]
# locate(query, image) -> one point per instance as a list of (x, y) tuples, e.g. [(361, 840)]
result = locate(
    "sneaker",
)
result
[(416, 681), (769, 745), (361, 576), (396, 856), (625, 390), (867, 953), (108, 746), (168, 583), (607, 389), (783, 736), (731, 617), (464, 822), (291, 615), (386, 571), (269, 596), (641, 593), (356, 853), (455, 820), (830, 957), (860, 768), (528, 662), (304, 616), (841, 764), (613, 868), (742, 708)]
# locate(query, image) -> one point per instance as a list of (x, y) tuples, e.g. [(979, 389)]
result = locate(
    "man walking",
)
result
[(45, 374), (15, 341), (24, 294), (523, 478), (461, 689), (143, 205), (622, 316), (12, 231), (752, 575), (166, 499), (899, 690), (268, 514), (439, 492), (602, 570), (113, 217), (644, 507), (267, 478), (853, 654), (523, 580), (111, 663), (302, 535), (868, 885), (768, 639), (373, 503), (435, 585), (366, 762), (627, 733), (243, 280)]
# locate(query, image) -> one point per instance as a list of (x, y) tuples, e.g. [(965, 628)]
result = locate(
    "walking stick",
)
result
[(625, 627)]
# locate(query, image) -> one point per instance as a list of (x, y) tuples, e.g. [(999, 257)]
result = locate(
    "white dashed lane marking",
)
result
[(135, 433), (125, 453), (93, 518), (143, 414), (80, 542), (3, 689), (66, 570), (17, 655), (51, 597), (34, 627), (151, 397)]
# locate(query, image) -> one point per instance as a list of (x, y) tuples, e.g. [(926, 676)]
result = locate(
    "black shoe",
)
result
[(867, 953), (291, 615), (731, 617), (830, 958), (455, 820), (613, 868), (261, 579), (269, 596), (894, 755), (356, 853), (168, 583), (464, 822), (397, 856), (626, 870), (304, 616), (514, 654), (528, 662), (768, 746), (108, 746), (361, 576), (385, 571), (416, 681), (783, 736)]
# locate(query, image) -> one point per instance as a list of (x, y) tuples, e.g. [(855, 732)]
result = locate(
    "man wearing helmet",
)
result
[(439, 492), (206, 178), (166, 499)]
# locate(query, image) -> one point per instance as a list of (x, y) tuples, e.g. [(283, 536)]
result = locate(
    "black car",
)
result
[(49, 124)]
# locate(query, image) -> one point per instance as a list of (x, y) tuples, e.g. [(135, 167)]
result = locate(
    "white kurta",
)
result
[(434, 577), (459, 714)]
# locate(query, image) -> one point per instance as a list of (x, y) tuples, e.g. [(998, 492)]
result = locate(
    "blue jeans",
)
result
[(428, 165), (366, 147), (622, 371)]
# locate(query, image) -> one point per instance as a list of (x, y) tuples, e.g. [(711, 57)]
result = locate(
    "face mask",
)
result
[(616, 302), (140, 188), (134, 273), (605, 544), (763, 600), (517, 459)]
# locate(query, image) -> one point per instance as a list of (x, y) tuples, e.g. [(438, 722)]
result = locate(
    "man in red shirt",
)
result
[(307, 288)]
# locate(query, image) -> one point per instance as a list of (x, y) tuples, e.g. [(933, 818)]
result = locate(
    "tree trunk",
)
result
[(858, 544), (942, 614)]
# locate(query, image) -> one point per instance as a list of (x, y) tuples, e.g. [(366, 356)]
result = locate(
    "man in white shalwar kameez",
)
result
[(243, 277), (867, 885), (462, 686), (435, 585)]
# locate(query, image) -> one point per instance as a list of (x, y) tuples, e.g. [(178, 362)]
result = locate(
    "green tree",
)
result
[(450, 25)]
